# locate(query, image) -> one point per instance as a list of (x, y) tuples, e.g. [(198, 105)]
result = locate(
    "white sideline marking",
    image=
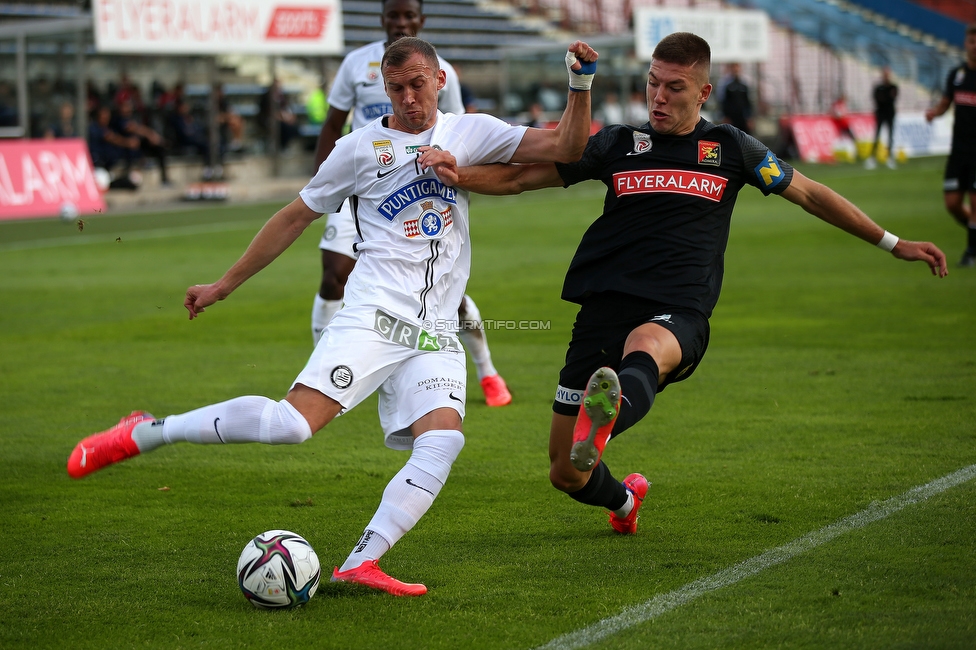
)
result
[(666, 602), (157, 233)]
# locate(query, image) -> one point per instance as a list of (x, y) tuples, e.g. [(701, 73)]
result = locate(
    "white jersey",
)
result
[(358, 86), (415, 254)]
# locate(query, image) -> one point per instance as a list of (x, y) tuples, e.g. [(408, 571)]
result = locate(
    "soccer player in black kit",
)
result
[(960, 171), (648, 271), (885, 95)]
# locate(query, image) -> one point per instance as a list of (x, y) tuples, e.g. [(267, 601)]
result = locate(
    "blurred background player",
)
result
[(960, 171), (885, 95), (733, 97), (358, 88)]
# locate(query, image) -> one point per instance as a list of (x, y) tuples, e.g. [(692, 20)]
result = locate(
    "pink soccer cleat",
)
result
[(637, 485), (369, 573), (105, 448), (496, 392)]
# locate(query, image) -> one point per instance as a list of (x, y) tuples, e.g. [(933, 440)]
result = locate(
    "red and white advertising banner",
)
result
[(46, 178), (299, 27), (818, 137)]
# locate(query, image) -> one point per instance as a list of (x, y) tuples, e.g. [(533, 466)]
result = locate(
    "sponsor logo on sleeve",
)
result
[(670, 181), (385, 156), (709, 153), (769, 172)]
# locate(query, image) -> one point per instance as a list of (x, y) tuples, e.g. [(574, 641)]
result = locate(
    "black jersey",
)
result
[(667, 211), (960, 89)]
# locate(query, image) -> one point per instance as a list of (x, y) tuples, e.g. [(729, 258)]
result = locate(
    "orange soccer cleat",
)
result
[(370, 574), (105, 448), (601, 405)]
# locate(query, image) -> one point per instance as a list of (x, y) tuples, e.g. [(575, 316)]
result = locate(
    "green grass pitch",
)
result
[(836, 377)]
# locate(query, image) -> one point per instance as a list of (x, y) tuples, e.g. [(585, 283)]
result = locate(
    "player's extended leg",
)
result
[(649, 349), (243, 419), (472, 335), (336, 268), (596, 487), (437, 442)]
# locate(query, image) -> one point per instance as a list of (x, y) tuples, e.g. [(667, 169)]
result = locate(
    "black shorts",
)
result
[(604, 322), (960, 174)]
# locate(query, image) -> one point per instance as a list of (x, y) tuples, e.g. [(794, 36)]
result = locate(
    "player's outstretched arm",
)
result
[(501, 179), (498, 178), (565, 143), (826, 204), (273, 238)]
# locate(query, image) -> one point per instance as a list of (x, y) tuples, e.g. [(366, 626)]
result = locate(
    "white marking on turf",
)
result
[(157, 233), (664, 603)]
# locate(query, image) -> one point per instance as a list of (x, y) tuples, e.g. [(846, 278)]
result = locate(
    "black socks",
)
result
[(602, 490), (638, 383)]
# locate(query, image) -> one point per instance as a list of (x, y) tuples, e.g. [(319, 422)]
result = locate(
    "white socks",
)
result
[(474, 341), (242, 419), (322, 312), (625, 509), (409, 495)]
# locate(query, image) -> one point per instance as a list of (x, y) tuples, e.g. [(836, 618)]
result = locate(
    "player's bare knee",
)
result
[(566, 479)]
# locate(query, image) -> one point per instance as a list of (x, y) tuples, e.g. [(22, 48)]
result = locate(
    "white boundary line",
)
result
[(156, 233), (664, 603)]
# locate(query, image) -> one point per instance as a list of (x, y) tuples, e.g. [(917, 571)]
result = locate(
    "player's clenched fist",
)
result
[(581, 64)]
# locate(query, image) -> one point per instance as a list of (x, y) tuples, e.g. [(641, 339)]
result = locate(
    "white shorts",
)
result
[(340, 232), (365, 350)]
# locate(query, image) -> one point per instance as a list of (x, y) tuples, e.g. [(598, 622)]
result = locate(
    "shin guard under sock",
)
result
[(638, 376)]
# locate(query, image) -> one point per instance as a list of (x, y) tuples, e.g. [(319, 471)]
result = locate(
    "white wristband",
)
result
[(888, 242)]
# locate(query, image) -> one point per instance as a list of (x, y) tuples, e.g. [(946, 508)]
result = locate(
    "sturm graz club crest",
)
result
[(431, 224), (341, 376)]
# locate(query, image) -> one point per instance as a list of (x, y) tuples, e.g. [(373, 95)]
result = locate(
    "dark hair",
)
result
[(383, 5), (970, 29), (403, 48), (684, 48)]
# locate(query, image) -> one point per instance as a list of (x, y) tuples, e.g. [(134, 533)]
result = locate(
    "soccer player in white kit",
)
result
[(396, 334), (358, 88)]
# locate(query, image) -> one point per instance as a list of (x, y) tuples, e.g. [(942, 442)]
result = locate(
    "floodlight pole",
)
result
[(274, 127), (23, 107), (212, 109), (81, 87)]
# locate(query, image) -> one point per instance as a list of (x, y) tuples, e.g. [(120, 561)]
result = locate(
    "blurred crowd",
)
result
[(129, 130)]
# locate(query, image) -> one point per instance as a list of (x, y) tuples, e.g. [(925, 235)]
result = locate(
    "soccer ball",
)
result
[(278, 569)]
